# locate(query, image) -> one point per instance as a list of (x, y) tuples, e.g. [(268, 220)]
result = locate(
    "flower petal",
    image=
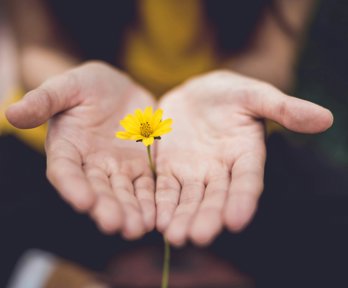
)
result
[(160, 132), (156, 119), (132, 119), (123, 135), (148, 141), (143, 122), (137, 137), (166, 123), (148, 114), (139, 115), (130, 126), (163, 127)]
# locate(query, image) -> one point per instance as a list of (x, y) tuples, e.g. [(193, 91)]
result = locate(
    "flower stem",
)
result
[(166, 261), (151, 164)]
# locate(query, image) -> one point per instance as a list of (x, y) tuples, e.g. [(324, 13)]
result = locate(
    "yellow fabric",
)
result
[(35, 138), (273, 127), (170, 43)]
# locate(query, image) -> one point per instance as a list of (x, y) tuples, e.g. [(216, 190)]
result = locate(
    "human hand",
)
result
[(93, 171), (211, 167)]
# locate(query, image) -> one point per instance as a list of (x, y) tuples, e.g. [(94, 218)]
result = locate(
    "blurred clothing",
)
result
[(161, 45), (39, 269), (322, 78), (172, 43), (141, 267), (35, 137)]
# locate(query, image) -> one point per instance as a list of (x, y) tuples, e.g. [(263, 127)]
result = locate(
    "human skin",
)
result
[(94, 172), (210, 168)]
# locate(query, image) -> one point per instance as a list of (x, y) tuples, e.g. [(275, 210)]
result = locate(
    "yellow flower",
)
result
[(144, 126)]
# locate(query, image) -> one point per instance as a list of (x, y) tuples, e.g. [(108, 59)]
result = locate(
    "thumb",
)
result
[(293, 113), (39, 105)]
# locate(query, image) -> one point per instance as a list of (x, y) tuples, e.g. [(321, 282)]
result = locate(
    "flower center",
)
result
[(145, 129)]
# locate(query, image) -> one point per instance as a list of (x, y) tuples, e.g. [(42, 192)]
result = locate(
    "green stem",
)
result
[(166, 261), (151, 164)]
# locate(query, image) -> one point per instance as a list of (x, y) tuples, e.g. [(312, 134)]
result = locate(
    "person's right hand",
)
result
[(93, 171)]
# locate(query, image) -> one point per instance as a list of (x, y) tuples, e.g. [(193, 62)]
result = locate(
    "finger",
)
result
[(167, 199), (208, 221), (107, 211), (108, 214), (245, 189), (133, 224), (145, 192), (53, 96), (190, 198), (64, 170), (291, 112)]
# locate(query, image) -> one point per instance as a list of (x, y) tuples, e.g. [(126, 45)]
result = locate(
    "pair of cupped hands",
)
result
[(210, 168)]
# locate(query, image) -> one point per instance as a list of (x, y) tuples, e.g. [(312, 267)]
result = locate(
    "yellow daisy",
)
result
[(144, 126)]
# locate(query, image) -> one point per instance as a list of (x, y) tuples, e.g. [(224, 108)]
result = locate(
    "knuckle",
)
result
[(190, 198), (144, 183), (167, 183), (221, 74), (95, 64), (71, 85), (122, 183), (70, 80), (282, 110), (39, 102)]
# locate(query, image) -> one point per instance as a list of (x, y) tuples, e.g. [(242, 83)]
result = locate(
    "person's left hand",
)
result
[(210, 168)]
